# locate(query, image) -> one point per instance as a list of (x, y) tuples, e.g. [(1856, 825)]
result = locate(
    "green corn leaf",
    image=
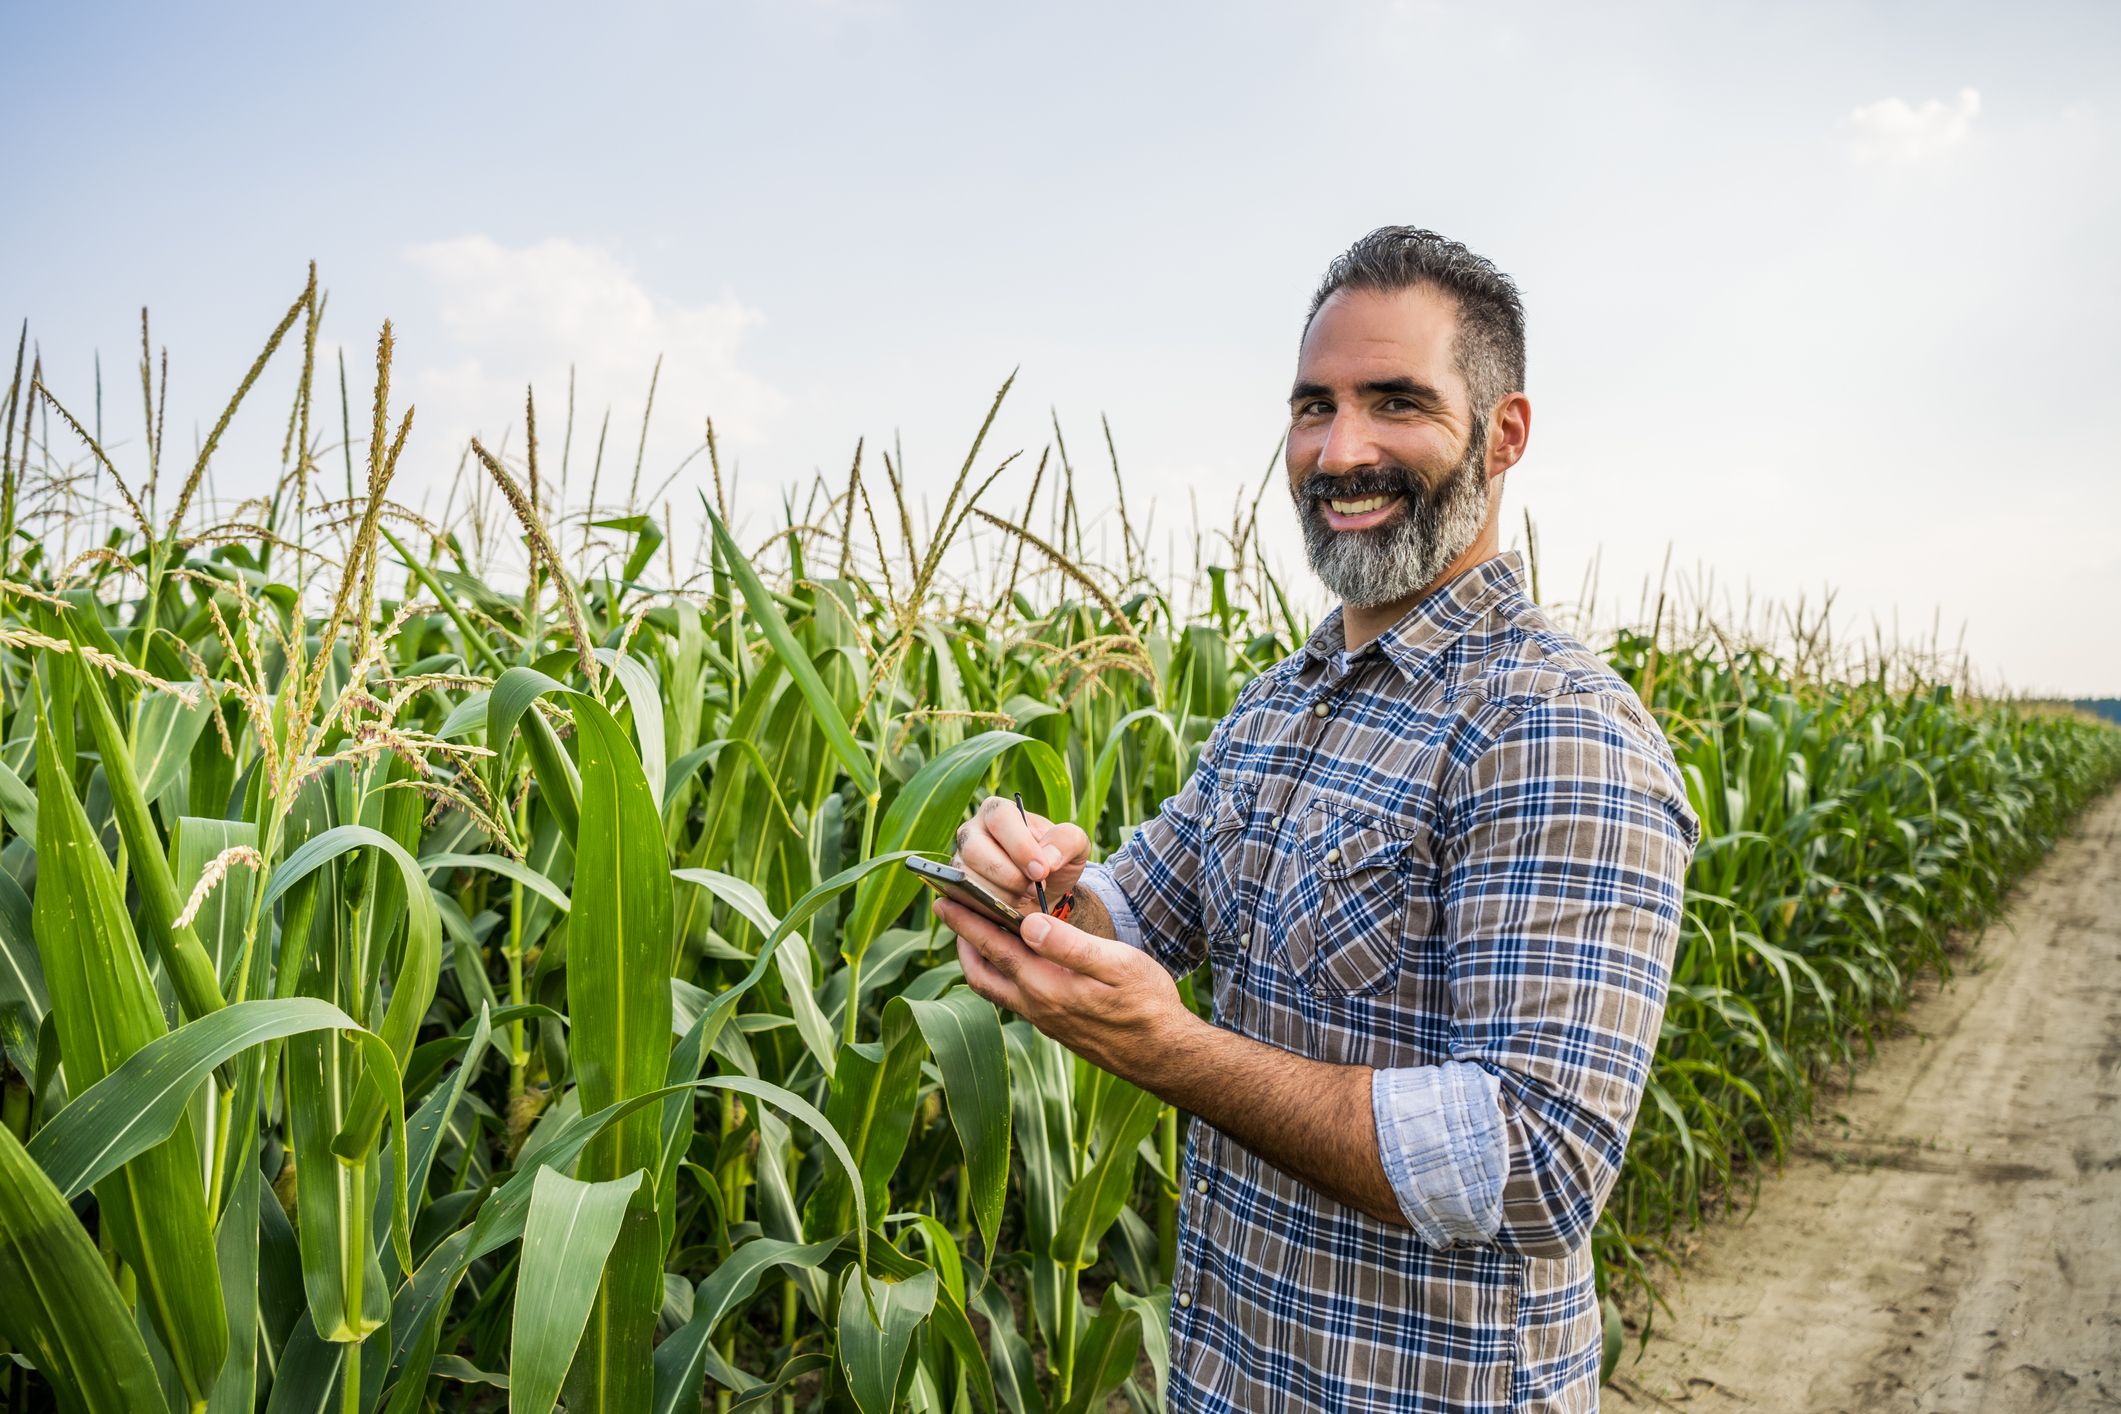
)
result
[(1121, 1116), (60, 1304), (220, 920), (873, 1345), (191, 971), (645, 696), (18, 803), (105, 1009), (507, 868), (793, 959), (1103, 1357), (21, 974), (964, 1032), (680, 1361), (619, 950), (950, 1321), (1155, 1313), (1091, 809), (567, 1236), (927, 811), (766, 612), (873, 1092), (140, 1103), (163, 737), (236, 1246), (413, 979), (143, 1102)]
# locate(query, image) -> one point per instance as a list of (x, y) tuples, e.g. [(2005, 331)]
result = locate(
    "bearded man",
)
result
[(1435, 860)]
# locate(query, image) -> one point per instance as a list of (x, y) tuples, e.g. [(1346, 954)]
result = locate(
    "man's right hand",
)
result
[(1008, 851)]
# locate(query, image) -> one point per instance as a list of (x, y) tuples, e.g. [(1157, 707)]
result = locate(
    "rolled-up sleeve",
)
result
[(1564, 848)]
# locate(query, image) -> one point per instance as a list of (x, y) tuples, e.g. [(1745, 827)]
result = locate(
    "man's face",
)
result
[(1387, 461)]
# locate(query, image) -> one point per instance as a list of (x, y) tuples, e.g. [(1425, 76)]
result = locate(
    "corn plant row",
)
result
[(418, 994)]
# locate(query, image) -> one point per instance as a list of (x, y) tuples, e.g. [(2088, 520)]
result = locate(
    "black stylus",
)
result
[(1018, 797)]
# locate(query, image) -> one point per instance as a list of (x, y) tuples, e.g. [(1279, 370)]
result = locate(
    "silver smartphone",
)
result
[(959, 887)]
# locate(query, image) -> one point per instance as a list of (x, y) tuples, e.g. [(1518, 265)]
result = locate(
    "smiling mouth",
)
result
[(1359, 512)]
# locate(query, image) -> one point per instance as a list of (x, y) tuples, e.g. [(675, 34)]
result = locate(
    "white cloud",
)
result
[(1893, 130), (511, 316)]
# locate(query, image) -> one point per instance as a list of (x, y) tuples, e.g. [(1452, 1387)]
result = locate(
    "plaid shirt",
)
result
[(1457, 855)]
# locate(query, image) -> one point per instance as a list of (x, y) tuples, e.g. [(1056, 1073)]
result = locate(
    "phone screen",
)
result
[(954, 884)]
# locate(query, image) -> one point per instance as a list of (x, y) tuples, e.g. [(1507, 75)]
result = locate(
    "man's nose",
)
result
[(1349, 445)]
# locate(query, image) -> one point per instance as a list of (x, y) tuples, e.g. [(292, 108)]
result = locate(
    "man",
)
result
[(1436, 861)]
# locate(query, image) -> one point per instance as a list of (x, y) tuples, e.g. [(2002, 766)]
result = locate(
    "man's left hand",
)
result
[(1111, 1004)]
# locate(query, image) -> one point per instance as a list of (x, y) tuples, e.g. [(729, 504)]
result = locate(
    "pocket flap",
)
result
[(1340, 843)]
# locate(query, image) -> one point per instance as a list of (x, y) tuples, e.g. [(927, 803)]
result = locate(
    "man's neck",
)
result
[(1360, 624)]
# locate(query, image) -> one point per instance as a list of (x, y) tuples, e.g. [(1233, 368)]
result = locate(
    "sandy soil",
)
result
[(1947, 1236)]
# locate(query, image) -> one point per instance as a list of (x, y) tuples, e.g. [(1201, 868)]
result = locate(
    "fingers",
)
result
[(1086, 954), (1024, 838), (1002, 949), (981, 977), (977, 853), (1068, 840)]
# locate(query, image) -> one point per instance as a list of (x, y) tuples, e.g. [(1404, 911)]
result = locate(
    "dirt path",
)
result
[(1948, 1236)]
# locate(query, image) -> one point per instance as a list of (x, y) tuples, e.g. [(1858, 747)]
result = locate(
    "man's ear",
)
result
[(1510, 433)]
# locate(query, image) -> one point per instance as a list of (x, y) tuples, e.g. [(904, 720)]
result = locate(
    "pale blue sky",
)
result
[(1818, 294)]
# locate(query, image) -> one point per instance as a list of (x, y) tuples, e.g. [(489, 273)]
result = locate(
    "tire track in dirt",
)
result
[(1947, 1235)]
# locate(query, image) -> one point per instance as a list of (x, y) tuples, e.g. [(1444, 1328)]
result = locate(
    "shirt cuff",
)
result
[(1440, 1134), (1125, 925)]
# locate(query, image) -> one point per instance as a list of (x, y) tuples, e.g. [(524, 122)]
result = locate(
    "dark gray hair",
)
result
[(1489, 347)]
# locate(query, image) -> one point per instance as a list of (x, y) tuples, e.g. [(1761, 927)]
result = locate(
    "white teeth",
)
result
[(1356, 508)]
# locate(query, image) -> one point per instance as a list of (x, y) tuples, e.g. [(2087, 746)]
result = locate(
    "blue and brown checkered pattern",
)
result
[(1462, 846)]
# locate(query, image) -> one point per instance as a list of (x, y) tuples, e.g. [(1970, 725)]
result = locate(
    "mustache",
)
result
[(1371, 481)]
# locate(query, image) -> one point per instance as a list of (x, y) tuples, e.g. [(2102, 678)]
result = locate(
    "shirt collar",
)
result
[(1432, 625)]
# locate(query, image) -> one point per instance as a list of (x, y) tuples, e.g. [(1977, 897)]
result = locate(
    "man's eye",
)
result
[(1311, 409)]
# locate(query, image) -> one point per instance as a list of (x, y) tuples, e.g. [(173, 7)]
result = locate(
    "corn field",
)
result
[(417, 994)]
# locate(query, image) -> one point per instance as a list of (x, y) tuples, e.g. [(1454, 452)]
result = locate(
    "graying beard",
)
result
[(1377, 567)]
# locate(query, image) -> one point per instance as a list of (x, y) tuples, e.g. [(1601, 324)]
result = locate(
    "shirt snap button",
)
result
[(1185, 1299), (1321, 710), (1333, 856), (1200, 1185)]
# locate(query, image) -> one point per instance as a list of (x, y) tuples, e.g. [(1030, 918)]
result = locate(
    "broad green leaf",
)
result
[(964, 1032), (501, 864), (1103, 1357), (163, 734), (140, 1103), (766, 612), (21, 974), (925, 814), (18, 803), (220, 920), (1155, 1313), (191, 971), (236, 1245), (413, 978), (61, 1306), (1122, 1116), (567, 1236), (105, 1010), (680, 1359), (618, 992), (873, 1092), (873, 1346), (645, 696)]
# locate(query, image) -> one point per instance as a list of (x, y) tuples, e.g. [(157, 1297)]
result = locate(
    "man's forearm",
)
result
[(1310, 1119)]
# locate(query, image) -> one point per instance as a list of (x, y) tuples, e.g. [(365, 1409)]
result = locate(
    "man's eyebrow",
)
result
[(1382, 387)]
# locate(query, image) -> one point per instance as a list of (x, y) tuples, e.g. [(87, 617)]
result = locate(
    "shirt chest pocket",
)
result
[(1353, 889), (1224, 864)]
